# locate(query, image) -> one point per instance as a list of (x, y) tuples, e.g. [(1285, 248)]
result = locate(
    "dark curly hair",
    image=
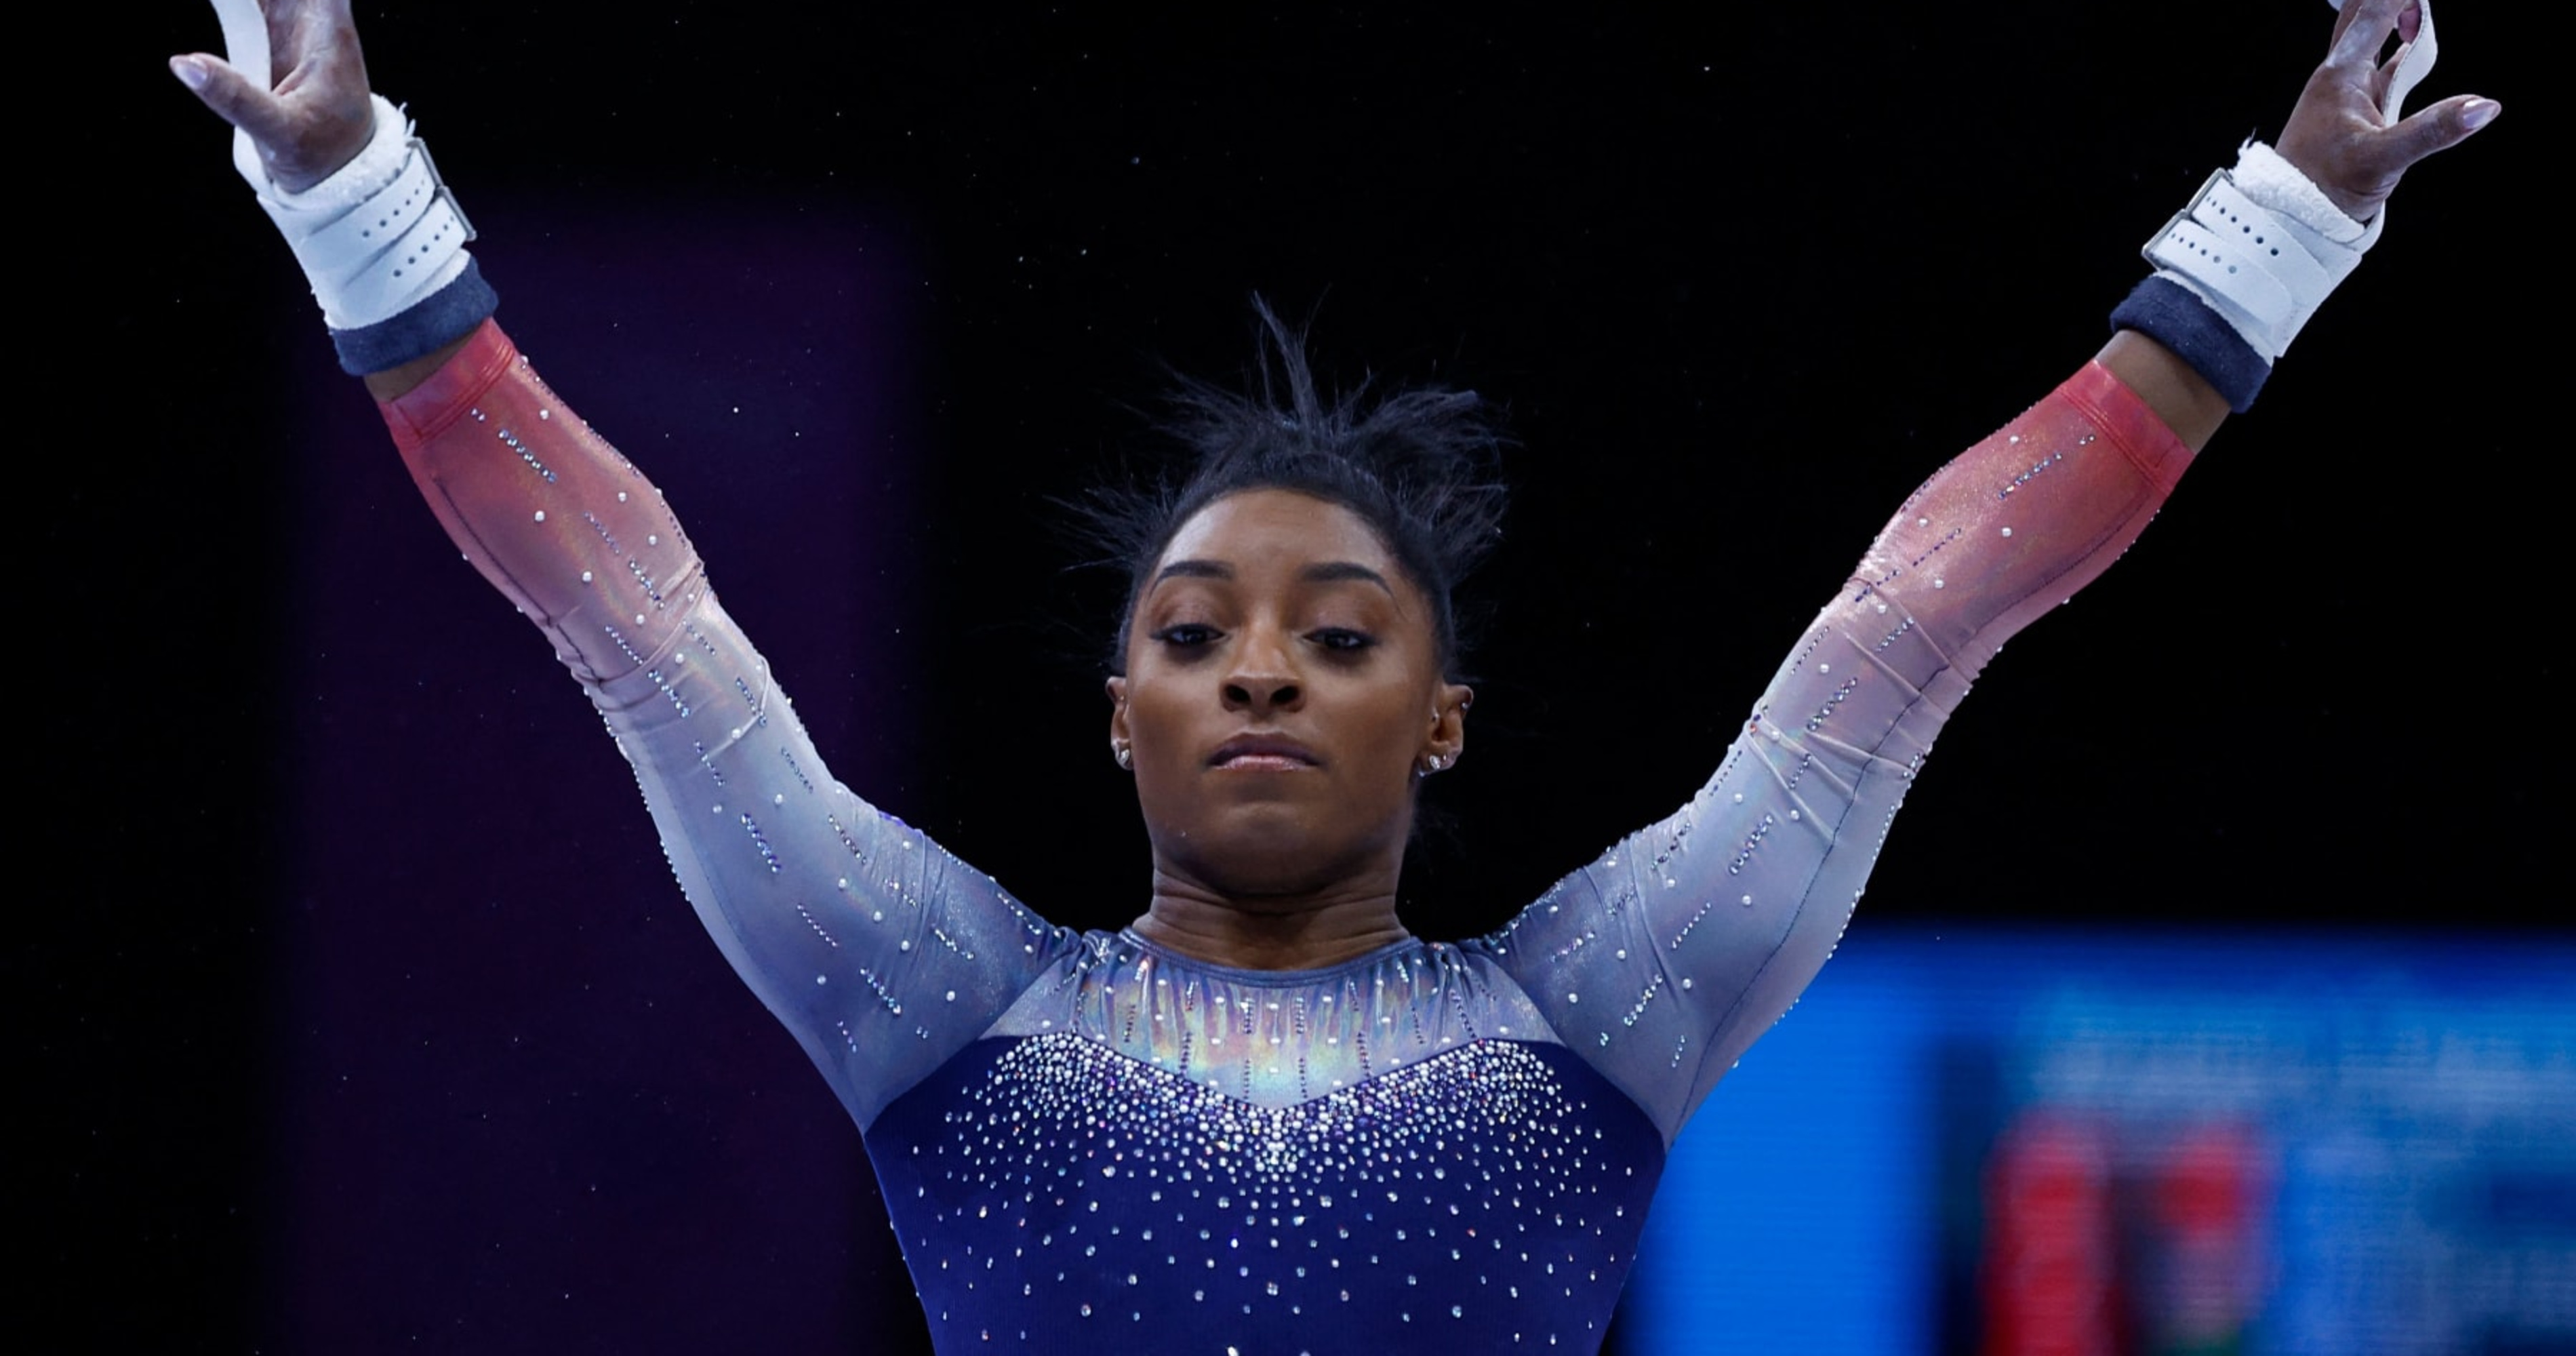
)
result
[(1417, 465)]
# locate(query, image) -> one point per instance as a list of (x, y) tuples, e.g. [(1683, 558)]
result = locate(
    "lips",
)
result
[(1262, 751)]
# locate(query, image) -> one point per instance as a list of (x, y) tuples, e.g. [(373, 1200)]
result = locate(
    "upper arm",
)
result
[(1667, 956), (879, 950)]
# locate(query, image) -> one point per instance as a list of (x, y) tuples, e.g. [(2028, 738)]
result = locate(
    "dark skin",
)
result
[(1283, 692), (1283, 695)]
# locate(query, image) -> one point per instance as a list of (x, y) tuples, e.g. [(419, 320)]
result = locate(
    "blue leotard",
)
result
[(1084, 1138)]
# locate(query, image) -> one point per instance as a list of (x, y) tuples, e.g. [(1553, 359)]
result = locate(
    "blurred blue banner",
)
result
[(2000, 1143)]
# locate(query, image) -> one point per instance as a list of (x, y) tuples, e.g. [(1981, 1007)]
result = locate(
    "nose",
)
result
[(1261, 680)]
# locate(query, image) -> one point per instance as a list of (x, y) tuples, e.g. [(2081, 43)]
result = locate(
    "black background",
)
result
[(364, 1014)]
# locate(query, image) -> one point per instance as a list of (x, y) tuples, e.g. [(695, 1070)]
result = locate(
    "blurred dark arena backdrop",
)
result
[(2213, 994)]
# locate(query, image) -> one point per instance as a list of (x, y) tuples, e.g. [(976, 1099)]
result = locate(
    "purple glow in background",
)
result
[(548, 1119)]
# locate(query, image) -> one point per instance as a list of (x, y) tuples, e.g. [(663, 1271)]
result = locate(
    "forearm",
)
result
[(1668, 957), (547, 511), (881, 952), (2182, 399), (396, 382), (2010, 529)]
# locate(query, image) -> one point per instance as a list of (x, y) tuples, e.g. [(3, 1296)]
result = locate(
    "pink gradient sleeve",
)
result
[(880, 951)]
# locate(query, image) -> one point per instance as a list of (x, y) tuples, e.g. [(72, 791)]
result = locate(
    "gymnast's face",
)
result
[(1282, 687)]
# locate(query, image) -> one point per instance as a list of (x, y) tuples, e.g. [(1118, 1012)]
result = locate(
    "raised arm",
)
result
[(1664, 960), (879, 951)]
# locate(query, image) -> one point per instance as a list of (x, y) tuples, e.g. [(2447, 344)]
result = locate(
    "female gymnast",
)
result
[(1264, 1117)]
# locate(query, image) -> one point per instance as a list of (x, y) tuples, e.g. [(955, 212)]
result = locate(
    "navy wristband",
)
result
[(448, 314), (2172, 315)]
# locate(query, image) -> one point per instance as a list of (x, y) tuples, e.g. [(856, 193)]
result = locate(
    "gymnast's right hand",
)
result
[(308, 114)]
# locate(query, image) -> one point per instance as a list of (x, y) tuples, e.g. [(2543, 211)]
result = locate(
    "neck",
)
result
[(1269, 932)]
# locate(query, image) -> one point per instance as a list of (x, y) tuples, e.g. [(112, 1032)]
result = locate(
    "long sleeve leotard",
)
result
[(1083, 1137)]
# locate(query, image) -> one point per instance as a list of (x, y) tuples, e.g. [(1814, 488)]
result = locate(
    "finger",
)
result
[(313, 36), (232, 96), (2410, 21), (2386, 74), (2437, 128), (2362, 28)]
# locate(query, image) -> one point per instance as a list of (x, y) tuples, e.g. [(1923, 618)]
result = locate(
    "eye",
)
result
[(1343, 639), (1187, 635)]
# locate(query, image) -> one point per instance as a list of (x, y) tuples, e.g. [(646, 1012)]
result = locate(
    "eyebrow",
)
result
[(1324, 572)]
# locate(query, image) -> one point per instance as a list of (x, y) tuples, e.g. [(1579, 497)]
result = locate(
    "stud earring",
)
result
[(1126, 756)]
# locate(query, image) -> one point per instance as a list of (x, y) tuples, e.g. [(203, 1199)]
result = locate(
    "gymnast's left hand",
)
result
[(2339, 134)]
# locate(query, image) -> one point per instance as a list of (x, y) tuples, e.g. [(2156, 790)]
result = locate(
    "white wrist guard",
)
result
[(2261, 245), (378, 236), (2265, 270)]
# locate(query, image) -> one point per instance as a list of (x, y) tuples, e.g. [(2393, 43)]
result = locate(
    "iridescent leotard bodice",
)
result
[(1153, 1149), (1086, 1139)]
